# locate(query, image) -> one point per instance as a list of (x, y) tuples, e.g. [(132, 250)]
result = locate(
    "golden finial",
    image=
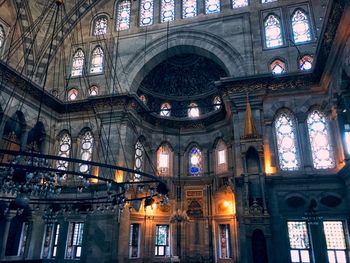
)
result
[(249, 127)]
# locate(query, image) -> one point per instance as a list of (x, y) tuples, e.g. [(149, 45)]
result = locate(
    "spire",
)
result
[(249, 127)]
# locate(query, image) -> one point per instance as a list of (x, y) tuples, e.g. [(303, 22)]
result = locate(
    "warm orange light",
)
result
[(226, 204), (118, 176), (95, 172), (154, 206), (269, 169)]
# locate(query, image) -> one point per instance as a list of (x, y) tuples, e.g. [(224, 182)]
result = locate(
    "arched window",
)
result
[(100, 26), (146, 12), (322, 153), (78, 63), (212, 6), (217, 103), (239, 3), (138, 166), (72, 94), (2, 36), (123, 15), (305, 63), (278, 67), (93, 90), (301, 26), (97, 60), (221, 157), (286, 137), (143, 98), (193, 111), (195, 161), (189, 8), (165, 110), (167, 10), (86, 146), (163, 160), (273, 31), (64, 148)]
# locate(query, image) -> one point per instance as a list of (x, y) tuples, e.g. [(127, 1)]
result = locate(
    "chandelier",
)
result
[(33, 179)]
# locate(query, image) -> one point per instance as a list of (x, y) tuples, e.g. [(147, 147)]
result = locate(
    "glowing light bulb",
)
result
[(226, 204)]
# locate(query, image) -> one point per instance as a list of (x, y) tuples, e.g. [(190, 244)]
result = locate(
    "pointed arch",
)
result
[(301, 26), (320, 140), (273, 31), (195, 161), (64, 150), (86, 149), (286, 140), (164, 159), (97, 59), (100, 25), (78, 63)]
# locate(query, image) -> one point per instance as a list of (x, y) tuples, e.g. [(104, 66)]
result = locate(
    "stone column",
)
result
[(9, 216)]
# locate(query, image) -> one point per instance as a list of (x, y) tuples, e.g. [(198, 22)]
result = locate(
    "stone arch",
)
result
[(180, 42)]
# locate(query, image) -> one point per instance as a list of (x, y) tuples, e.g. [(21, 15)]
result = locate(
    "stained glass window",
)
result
[(100, 26), (78, 63), (146, 12), (299, 242), (301, 27), (239, 3), (212, 6), (134, 241), (163, 160), (217, 103), (278, 67), (195, 161), (305, 63), (64, 151), (49, 249), (165, 110), (193, 111), (72, 94), (273, 31), (97, 60), (74, 240), (162, 241), (285, 127), (322, 153), (224, 241), (2, 36), (335, 238), (267, 1), (167, 10), (189, 8), (86, 146), (93, 91), (123, 15), (138, 166)]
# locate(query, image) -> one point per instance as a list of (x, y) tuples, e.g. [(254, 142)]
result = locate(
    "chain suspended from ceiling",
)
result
[(30, 178)]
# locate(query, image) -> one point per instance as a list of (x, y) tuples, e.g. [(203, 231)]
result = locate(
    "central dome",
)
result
[(182, 76)]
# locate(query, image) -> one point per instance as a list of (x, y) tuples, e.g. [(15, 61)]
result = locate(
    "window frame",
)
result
[(209, 13), (297, 140), (83, 68), (70, 237), (182, 10), (138, 241), (139, 14), (282, 60), (53, 241), (330, 140), (277, 13), (306, 10), (117, 6), (200, 166), (290, 249), (166, 247), (228, 241), (103, 61), (161, 12), (96, 18), (82, 139)]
